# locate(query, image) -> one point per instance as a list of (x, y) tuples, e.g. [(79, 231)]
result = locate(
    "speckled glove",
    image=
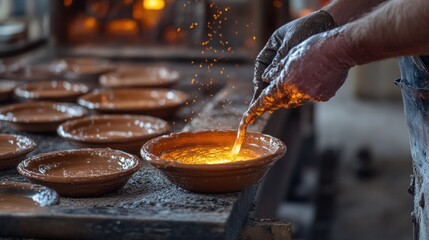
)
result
[(312, 71), (285, 38)]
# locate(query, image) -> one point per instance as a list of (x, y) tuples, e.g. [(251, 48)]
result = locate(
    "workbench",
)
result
[(149, 206)]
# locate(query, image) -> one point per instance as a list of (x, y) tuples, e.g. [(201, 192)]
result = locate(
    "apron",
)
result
[(414, 84)]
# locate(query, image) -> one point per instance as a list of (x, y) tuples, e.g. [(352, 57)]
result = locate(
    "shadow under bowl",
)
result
[(82, 172), (214, 178), (13, 148), (25, 197)]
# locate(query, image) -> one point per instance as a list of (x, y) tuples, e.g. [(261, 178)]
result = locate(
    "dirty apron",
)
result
[(414, 83)]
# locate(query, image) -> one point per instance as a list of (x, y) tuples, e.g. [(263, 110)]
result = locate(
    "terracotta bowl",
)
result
[(25, 197), (153, 102), (6, 89), (140, 76), (82, 67), (85, 172), (124, 132), (40, 116), (13, 148), (34, 72), (60, 91), (214, 178)]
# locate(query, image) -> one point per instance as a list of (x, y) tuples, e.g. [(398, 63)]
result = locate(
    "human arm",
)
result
[(345, 11), (315, 69)]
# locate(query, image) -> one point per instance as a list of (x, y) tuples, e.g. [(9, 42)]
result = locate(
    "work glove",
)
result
[(312, 71), (284, 39)]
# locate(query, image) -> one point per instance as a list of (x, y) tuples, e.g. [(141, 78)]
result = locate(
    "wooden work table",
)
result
[(149, 206)]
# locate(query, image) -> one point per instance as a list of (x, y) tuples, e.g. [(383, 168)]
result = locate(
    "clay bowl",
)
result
[(213, 178), (60, 91), (6, 89), (87, 172), (76, 67), (124, 132), (13, 148), (34, 72), (25, 197), (140, 76), (154, 102), (40, 116)]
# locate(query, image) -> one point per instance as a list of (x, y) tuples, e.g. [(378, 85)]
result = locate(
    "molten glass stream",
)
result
[(289, 97), (241, 134)]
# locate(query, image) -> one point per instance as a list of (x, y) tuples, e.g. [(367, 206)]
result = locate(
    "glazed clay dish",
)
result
[(74, 68), (87, 172), (25, 197), (35, 72), (140, 76), (60, 91), (153, 102), (123, 132), (201, 161), (6, 89), (13, 148), (40, 116)]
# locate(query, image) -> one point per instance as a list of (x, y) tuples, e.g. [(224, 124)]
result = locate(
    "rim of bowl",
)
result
[(156, 160), (22, 167), (12, 107), (32, 145), (64, 132)]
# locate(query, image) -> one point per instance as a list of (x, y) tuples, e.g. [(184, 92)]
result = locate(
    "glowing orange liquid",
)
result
[(209, 154), (240, 138)]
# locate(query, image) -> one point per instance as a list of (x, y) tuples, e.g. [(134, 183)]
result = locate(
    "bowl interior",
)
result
[(13, 145), (260, 148), (79, 165), (113, 128)]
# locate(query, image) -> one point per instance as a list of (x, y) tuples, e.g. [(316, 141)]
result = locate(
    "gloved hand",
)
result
[(312, 71), (284, 39)]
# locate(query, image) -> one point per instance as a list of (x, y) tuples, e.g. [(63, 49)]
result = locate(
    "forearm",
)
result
[(398, 28), (344, 11)]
